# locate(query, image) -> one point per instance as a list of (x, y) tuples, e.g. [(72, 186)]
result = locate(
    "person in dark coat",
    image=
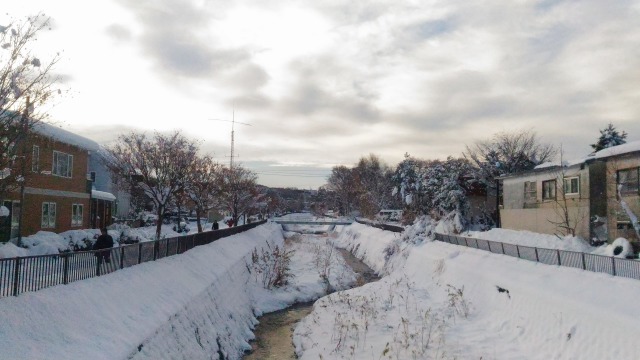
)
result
[(215, 226), (105, 241)]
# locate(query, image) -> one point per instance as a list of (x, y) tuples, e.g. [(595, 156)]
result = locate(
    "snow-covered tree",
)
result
[(26, 84), (436, 188), (159, 165), (609, 137)]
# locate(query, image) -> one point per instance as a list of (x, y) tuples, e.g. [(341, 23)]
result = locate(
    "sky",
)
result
[(323, 83)]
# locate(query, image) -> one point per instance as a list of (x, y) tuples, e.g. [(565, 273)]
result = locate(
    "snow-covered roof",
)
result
[(629, 147), (566, 163), (65, 136), (102, 195)]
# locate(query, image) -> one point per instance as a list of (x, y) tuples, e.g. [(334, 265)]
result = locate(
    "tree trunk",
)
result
[(198, 219), (159, 222)]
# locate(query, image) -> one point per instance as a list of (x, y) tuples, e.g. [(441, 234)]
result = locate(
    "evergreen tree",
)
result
[(609, 137)]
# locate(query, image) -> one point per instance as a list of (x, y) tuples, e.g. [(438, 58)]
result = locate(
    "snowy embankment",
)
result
[(190, 306), (442, 301)]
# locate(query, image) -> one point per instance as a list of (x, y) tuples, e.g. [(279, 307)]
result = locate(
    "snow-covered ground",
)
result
[(435, 301), (46, 242), (442, 301), (188, 306)]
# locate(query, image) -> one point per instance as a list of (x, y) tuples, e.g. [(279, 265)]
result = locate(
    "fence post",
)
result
[(166, 250), (502, 245), (584, 263), (613, 265), (16, 276), (537, 258), (156, 248), (518, 251), (65, 267), (489, 245), (98, 261), (121, 257), (139, 252)]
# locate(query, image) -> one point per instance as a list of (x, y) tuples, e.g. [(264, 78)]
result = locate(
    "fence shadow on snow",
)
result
[(32, 273)]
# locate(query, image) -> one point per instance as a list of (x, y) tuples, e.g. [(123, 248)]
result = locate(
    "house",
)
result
[(597, 198), (59, 194)]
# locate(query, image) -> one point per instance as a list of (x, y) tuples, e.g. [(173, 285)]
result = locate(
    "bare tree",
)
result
[(342, 183), (158, 165), (507, 153), (568, 209), (204, 187), (240, 194), (373, 185), (26, 83)]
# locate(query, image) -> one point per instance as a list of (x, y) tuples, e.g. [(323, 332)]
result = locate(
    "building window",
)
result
[(62, 164), (549, 190), (76, 214), (48, 215), (629, 179), (92, 176), (35, 159), (572, 185), (530, 191)]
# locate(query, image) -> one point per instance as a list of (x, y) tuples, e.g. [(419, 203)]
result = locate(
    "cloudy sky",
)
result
[(322, 83)]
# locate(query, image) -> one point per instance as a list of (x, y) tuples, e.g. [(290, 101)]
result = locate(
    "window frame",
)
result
[(636, 187), (57, 167), (568, 180), (545, 191), (51, 214), (77, 217)]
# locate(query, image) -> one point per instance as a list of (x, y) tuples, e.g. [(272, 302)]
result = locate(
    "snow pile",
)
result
[(619, 248), (446, 301)]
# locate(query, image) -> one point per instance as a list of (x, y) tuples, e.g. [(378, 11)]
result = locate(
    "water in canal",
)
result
[(275, 330)]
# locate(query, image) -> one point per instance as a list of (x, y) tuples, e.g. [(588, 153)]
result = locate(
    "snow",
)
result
[(632, 146), (445, 301), (435, 301), (65, 136), (177, 307)]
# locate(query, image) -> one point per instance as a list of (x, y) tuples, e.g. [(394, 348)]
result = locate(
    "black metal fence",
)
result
[(32, 273), (387, 227), (590, 262)]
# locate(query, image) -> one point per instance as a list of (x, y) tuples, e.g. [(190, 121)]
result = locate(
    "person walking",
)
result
[(105, 241)]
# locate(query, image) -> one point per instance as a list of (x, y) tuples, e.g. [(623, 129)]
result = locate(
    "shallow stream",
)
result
[(275, 330)]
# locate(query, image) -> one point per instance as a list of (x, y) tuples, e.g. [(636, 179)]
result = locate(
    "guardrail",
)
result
[(382, 226), (585, 261), (32, 273)]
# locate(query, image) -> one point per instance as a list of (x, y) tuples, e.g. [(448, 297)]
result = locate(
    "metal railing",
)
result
[(585, 261), (387, 227), (32, 273)]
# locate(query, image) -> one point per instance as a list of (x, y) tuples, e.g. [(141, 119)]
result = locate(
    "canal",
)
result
[(275, 330)]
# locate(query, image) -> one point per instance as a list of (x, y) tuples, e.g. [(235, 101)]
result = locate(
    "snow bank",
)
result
[(446, 301), (528, 238)]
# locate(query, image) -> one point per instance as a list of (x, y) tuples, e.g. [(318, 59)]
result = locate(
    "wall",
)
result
[(615, 211), (542, 215)]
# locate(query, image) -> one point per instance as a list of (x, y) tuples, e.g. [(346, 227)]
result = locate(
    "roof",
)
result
[(65, 136), (627, 148), (102, 195)]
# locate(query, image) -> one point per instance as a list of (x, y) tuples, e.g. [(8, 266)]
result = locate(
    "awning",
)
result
[(102, 195)]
